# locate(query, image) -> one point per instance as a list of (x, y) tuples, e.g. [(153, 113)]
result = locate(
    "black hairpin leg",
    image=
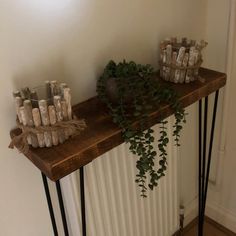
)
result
[(50, 207), (61, 204), (200, 169), (203, 171), (82, 197), (62, 209)]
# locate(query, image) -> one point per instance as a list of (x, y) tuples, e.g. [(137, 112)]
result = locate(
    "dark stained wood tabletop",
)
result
[(102, 134)]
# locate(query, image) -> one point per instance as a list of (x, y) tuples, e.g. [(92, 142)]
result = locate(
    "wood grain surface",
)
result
[(102, 134)]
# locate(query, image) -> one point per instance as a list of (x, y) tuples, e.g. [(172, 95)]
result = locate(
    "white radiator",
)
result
[(113, 203)]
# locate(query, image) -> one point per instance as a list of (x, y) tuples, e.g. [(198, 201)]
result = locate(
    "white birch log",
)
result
[(173, 41), (197, 57), (57, 104), (25, 93), (164, 67), (28, 113), (30, 121), (167, 41), (179, 61), (44, 112), (38, 123), (192, 43), (67, 97), (189, 73), (168, 60), (65, 117), (18, 104), (54, 88), (23, 117), (161, 68), (64, 110), (45, 121), (62, 86), (173, 62), (200, 45), (183, 72), (184, 41), (16, 93), (53, 120), (162, 48), (196, 60)]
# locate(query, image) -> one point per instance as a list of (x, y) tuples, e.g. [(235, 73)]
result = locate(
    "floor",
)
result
[(211, 228)]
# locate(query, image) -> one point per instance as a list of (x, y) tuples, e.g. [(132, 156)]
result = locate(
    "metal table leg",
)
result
[(62, 209), (82, 197), (50, 207), (203, 171), (200, 169), (203, 177)]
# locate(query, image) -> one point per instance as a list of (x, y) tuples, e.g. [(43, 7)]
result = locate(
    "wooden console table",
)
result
[(102, 135)]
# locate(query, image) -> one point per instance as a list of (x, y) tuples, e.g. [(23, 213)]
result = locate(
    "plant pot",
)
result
[(112, 91)]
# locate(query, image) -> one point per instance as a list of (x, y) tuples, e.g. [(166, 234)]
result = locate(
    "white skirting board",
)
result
[(222, 216), (113, 203), (214, 211)]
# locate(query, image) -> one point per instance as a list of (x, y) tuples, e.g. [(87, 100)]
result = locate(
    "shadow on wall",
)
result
[(38, 74), (80, 71), (85, 43)]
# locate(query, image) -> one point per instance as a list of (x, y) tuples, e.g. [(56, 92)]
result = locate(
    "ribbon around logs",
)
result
[(21, 143)]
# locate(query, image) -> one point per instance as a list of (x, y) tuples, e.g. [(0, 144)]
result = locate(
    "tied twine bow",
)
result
[(20, 141)]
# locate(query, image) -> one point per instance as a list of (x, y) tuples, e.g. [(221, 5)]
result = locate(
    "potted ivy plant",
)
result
[(131, 92)]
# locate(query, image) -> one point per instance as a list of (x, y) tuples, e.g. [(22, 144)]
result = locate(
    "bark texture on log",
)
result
[(24, 122), (45, 120), (25, 93), (65, 117), (57, 104), (179, 62), (54, 88), (189, 73), (38, 123), (16, 93), (168, 60), (174, 57), (30, 121), (67, 97), (183, 72), (53, 121)]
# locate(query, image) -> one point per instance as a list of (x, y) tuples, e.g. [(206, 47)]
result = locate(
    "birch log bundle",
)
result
[(180, 60), (35, 112)]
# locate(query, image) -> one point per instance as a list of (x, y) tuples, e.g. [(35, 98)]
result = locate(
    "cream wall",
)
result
[(222, 206), (71, 41), (222, 189), (216, 33)]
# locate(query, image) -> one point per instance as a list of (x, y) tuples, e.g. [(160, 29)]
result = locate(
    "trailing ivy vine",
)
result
[(135, 93)]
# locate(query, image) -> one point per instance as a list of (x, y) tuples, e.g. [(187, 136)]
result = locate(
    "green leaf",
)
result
[(138, 108), (137, 113), (129, 134)]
